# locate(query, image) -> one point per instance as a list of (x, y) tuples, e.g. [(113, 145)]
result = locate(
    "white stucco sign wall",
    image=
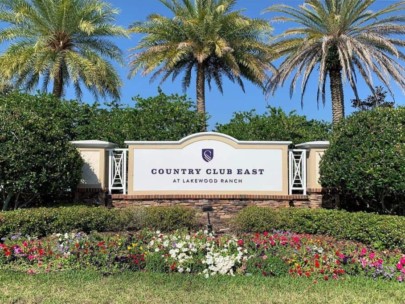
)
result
[(207, 163), (229, 168)]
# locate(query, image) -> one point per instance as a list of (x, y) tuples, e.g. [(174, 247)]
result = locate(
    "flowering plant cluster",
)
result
[(277, 253)]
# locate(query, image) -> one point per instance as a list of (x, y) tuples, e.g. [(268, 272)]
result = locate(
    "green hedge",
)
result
[(45, 221), (379, 231)]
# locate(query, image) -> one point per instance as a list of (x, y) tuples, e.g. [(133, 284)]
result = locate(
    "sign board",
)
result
[(208, 163)]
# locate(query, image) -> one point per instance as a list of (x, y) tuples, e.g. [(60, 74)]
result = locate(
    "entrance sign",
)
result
[(208, 164)]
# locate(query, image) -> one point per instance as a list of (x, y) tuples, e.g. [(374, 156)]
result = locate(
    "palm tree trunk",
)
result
[(58, 84), (201, 92), (336, 88)]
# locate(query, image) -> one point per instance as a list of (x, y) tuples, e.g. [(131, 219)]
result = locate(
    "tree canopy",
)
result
[(207, 36), (344, 39), (64, 42)]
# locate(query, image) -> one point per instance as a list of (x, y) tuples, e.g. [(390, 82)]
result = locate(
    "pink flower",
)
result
[(31, 271), (363, 252), (402, 260), (399, 266), (372, 255), (240, 243), (31, 257)]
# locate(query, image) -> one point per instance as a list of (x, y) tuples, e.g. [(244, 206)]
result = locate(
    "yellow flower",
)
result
[(129, 247)]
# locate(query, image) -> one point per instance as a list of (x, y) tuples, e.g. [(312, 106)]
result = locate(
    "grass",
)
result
[(135, 287)]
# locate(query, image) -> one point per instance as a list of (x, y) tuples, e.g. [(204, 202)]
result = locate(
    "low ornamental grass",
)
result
[(274, 254)]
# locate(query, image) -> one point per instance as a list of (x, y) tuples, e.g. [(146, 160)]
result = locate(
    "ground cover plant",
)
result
[(268, 254)]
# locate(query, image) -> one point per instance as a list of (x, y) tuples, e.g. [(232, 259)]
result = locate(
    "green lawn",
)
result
[(90, 287)]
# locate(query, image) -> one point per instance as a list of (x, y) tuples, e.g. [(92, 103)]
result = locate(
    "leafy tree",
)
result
[(163, 117), (61, 41), (274, 125), (344, 38), (74, 118), (377, 99), (364, 164), (37, 163), (205, 35)]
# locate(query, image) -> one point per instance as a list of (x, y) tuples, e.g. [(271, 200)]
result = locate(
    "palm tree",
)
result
[(205, 36), (343, 38), (61, 41)]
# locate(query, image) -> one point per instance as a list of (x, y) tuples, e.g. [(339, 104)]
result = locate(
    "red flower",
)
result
[(240, 243), (317, 265), (173, 267), (265, 233), (326, 278)]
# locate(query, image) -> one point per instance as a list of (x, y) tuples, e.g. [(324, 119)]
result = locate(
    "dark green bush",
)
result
[(169, 218), (365, 163), (38, 165), (45, 221), (274, 125), (378, 231)]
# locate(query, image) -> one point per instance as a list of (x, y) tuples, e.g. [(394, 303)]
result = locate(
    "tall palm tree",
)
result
[(342, 38), (205, 36), (61, 41)]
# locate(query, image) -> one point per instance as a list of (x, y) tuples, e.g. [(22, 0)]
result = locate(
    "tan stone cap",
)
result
[(314, 145), (93, 144), (207, 134)]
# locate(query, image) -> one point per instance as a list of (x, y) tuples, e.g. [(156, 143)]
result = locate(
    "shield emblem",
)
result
[(207, 154)]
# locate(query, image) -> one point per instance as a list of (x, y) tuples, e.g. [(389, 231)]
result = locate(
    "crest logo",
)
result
[(207, 154)]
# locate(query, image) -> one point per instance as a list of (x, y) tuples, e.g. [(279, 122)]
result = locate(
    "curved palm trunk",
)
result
[(336, 88), (58, 84), (201, 92)]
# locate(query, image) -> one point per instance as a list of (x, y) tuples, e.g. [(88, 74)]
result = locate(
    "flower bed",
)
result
[(270, 254)]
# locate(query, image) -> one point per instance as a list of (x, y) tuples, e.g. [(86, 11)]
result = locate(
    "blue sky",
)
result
[(221, 106)]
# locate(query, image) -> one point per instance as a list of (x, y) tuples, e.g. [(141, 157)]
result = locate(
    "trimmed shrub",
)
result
[(45, 221), (378, 231), (169, 218), (364, 164), (38, 166)]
